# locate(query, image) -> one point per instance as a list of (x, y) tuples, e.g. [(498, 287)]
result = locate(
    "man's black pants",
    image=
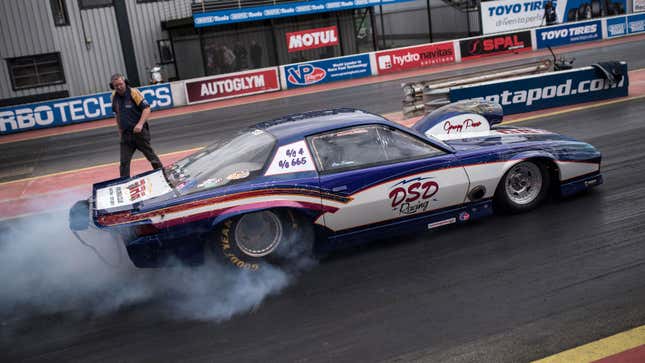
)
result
[(131, 142)]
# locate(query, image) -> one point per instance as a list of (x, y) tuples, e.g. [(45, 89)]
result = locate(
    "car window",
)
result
[(232, 159), (366, 146)]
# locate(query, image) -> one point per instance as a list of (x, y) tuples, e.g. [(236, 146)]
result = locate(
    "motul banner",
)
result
[(496, 44), (312, 38), (395, 60), (232, 85)]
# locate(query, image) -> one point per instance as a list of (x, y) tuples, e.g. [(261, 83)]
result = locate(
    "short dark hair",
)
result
[(116, 76)]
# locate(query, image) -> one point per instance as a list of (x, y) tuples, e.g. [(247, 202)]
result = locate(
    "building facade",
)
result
[(58, 48)]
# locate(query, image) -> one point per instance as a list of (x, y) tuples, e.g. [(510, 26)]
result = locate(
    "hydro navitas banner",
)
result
[(624, 25), (506, 15), (541, 91), (65, 111), (395, 60), (496, 44), (568, 34), (232, 85), (328, 70)]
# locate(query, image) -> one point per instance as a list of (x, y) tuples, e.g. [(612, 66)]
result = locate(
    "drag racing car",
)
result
[(314, 182)]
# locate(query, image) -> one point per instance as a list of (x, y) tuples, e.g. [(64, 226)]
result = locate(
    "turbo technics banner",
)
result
[(232, 85), (73, 110)]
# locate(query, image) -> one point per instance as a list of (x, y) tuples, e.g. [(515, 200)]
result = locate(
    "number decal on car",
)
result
[(291, 158)]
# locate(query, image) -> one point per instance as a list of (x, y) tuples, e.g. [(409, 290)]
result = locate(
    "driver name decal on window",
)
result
[(291, 158)]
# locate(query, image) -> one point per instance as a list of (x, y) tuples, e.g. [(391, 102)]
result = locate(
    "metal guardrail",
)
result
[(422, 97)]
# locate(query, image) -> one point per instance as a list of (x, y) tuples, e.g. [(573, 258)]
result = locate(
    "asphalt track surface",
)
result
[(507, 288)]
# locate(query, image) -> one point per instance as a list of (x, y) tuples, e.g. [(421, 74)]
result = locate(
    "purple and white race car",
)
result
[(317, 181)]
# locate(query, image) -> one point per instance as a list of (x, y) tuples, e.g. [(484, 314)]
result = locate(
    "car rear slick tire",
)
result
[(523, 187), (252, 240)]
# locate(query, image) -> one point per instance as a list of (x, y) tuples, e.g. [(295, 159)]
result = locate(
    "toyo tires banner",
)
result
[(73, 110), (421, 56), (541, 91), (230, 85), (568, 34), (507, 15)]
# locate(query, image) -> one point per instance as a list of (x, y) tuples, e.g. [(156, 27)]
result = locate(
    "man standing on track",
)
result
[(132, 112)]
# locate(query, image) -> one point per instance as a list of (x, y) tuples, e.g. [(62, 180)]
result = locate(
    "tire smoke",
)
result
[(45, 270)]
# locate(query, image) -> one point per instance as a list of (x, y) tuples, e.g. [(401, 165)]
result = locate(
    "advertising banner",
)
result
[(568, 34), (507, 15), (312, 38), (541, 91), (616, 27), (395, 60), (73, 110), (282, 10), (639, 5), (328, 70), (496, 44), (636, 23), (232, 85)]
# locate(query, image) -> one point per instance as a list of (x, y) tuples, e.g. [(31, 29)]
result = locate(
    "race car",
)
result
[(310, 183)]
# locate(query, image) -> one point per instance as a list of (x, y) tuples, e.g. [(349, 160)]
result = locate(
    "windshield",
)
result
[(229, 160)]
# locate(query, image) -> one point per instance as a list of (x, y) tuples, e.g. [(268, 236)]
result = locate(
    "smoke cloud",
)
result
[(45, 270)]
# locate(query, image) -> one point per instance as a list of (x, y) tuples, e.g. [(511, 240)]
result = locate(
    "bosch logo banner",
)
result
[(255, 13), (616, 27), (73, 110), (327, 70), (312, 38), (636, 23), (568, 34), (545, 91), (415, 57), (496, 44), (232, 85)]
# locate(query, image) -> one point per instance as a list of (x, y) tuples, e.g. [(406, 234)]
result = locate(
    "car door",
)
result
[(385, 174)]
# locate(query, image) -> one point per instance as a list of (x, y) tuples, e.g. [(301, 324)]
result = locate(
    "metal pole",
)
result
[(429, 21), (382, 27), (373, 25), (468, 15)]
